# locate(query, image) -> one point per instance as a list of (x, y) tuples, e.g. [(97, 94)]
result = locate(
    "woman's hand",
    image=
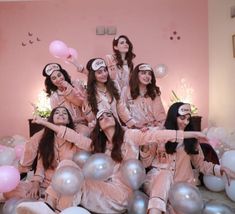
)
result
[(39, 120), (34, 191), (229, 174)]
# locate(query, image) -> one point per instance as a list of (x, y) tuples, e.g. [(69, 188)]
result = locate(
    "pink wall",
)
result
[(149, 24)]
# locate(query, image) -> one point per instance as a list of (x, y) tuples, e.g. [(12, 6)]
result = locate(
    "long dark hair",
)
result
[(99, 141), (46, 144), (91, 87), (129, 55), (152, 89), (190, 144), (50, 87)]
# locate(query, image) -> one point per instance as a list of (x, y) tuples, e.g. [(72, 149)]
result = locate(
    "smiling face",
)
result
[(183, 121), (106, 120), (145, 77), (61, 116), (122, 45), (101, 75), (56, 78)]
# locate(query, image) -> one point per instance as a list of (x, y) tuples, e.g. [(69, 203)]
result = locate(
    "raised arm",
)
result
[(66, 133)]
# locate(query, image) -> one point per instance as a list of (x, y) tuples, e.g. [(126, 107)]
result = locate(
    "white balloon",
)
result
[(213, 183), (7, 156), (228, 159), (160, 71), (230, 190), (75, 210)]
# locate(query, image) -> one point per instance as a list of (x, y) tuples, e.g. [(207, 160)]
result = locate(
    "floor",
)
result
[(207, 195)]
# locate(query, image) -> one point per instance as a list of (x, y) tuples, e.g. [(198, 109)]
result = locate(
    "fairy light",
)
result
[(184, 94), (42, 106)]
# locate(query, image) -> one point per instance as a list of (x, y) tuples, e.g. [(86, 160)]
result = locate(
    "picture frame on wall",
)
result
[(233, 38)]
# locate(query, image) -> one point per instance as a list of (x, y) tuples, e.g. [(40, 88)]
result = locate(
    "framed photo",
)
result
[(233, 38)]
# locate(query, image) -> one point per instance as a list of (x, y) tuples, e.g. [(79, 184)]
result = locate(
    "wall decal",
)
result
[(31, 39)]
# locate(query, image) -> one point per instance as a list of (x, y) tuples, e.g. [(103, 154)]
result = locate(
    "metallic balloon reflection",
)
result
[(81, 157), (213, 207), (98, 167), (138, 203), (186, 198), (67, 180), (133, 173)]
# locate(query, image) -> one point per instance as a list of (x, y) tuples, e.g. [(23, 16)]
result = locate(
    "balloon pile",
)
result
[(59, 49), (67, 180), (220, 139), (133, 173), (186, 198), (98, 167), (138, 203)]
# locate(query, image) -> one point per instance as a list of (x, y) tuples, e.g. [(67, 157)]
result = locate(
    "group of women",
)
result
[(118, 113)]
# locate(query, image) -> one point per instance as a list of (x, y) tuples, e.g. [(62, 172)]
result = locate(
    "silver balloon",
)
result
[(81, 157), (133, 173), (138, 203), (213, 207), (67, 180), (98, 167), (186, 198)]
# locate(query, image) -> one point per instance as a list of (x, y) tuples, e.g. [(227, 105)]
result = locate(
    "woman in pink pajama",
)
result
[(171, 161), (108, 136), (102, 92), (142, 97), (51, 150), (120, 64), (63, 92)]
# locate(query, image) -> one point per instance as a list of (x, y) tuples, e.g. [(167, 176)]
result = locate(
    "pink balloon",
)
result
[(59, 49), (9, 178), (73, 52), (19, 149)]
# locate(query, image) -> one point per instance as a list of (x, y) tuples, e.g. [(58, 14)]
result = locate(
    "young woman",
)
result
[(120, 64), (142, 97), (171, 161), (102, 92), (108, 136), (51, 150), (63, 92)]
